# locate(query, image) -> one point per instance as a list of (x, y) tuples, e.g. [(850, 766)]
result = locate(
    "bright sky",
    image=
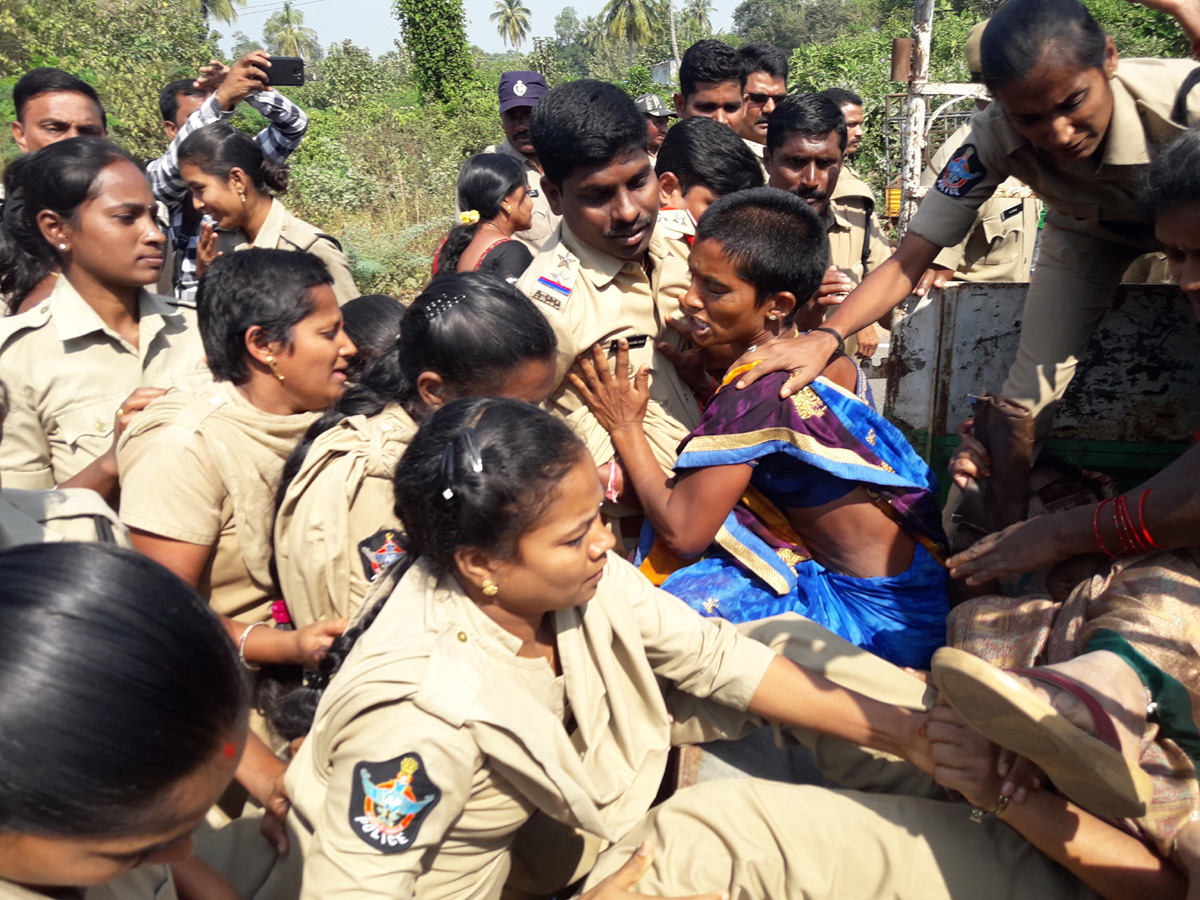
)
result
[(369, 23)]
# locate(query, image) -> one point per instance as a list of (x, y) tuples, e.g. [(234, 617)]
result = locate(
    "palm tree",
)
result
[(223, 10), (698, 15), (512, 21), (632, 20), (594, 32), (285, 34)]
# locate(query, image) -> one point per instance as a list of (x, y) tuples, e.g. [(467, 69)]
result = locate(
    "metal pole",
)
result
[(915, 111)]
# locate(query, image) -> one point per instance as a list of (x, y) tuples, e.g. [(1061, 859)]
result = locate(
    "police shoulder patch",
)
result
[(378, 552), (961, 172), (390, 800)]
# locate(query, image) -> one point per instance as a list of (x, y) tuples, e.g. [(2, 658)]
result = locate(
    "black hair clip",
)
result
[(472, 458)]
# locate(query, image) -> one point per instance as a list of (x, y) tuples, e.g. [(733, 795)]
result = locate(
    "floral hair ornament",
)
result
[(469, 217)]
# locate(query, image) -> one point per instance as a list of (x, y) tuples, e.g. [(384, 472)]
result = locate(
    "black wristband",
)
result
[(841, 340)]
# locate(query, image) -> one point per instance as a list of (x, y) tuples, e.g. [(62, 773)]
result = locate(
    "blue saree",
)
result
[(758, 566)]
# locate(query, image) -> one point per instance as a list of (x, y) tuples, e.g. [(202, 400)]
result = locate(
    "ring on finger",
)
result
[(121, 411)]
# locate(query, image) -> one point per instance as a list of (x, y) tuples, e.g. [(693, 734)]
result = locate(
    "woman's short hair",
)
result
[(1173, 179), (774, 240), (118, 682), (268, 288)]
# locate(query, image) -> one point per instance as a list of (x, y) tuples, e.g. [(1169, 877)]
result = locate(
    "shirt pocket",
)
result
[(88, 426), (1002, 232)]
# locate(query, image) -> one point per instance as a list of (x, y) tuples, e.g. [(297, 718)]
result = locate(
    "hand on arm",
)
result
[(686, 516), (261, 773), (102, 475), (617, 885), (273, 646)]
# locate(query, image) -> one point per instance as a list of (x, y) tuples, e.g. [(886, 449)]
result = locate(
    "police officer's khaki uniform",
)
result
[(1000, 245), (757, 150), (43, 517), (544, 220), (856, 241), (203, 468), (67, 374), (437, 742), (1094, 228), (590, 297), (337, 528), (283, 231)]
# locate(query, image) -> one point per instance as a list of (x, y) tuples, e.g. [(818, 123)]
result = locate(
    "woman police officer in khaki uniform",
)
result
[(505, 695), (79, 365), (1079, 126)]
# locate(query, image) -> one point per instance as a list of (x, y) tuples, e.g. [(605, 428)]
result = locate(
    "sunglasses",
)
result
[(761, 99)]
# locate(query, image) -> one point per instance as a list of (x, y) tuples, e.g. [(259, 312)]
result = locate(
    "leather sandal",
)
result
[(1089, 770)]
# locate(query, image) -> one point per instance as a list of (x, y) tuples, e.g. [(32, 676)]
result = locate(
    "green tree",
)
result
[(435, 34), (243, 44), (221, 10), (634, 21), (512, 21), (697, 15), (568, 29), (285, 34)]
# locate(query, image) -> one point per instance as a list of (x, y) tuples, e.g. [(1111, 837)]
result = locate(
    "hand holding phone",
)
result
[(285, 71)]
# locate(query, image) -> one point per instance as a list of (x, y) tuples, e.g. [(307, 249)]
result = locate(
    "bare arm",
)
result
[(1114, 863), (1171, 514), (686, 516), (795, 696)]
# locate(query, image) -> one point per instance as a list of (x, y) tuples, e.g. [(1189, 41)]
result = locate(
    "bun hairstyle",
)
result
[(480, 473), (483, 182), (118, 682), (219, 148), (59, 177)]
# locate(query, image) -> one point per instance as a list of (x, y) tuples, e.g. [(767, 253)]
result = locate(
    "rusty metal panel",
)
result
[(1138, 380)]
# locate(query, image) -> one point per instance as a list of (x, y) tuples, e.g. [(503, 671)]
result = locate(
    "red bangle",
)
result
[(1122, 525), (1130, 538), (1096, 529), (1142, 519)]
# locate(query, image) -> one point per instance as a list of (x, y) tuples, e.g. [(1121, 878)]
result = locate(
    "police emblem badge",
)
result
[(961, 172), (389, 801), (378, 552)]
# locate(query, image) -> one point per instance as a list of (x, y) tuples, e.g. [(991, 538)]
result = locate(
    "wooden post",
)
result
[(915, 111)]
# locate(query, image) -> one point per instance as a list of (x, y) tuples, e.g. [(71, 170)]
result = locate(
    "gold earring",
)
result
[(773, 317), (242, 194), (489, 588), (270, 361)]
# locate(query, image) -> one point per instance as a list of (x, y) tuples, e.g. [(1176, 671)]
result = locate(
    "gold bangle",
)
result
[(996, 809)]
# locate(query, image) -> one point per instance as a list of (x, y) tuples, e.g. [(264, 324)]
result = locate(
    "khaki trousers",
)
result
[(895, 836), (1072, 286)]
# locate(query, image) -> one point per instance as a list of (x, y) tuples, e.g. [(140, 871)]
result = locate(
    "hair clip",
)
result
[(448, 471), (471, 449), (469, 217), (444, 303), (472, 459)]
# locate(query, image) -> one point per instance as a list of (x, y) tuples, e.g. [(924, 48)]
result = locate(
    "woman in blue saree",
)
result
[(813, 504)]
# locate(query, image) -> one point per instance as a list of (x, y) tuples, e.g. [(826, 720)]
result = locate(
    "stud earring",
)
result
[(270, 361), (490, 589), (773, 317), (242, 194), (62, 246)]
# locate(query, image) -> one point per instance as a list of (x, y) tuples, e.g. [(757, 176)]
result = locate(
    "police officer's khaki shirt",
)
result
[(758, 150), (853, 228), (1000, 246), (436, 742), (44, 517), (67, 373), (590, 297), (544, 219), (283, 231), (1099, 193), (203, 468), (337, 528), (143, 883)]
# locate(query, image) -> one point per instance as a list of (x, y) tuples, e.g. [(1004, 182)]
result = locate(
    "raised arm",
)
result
[(687, 515), (289, 124)]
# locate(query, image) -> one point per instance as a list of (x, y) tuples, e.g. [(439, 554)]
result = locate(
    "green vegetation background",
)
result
[(387, 134)]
